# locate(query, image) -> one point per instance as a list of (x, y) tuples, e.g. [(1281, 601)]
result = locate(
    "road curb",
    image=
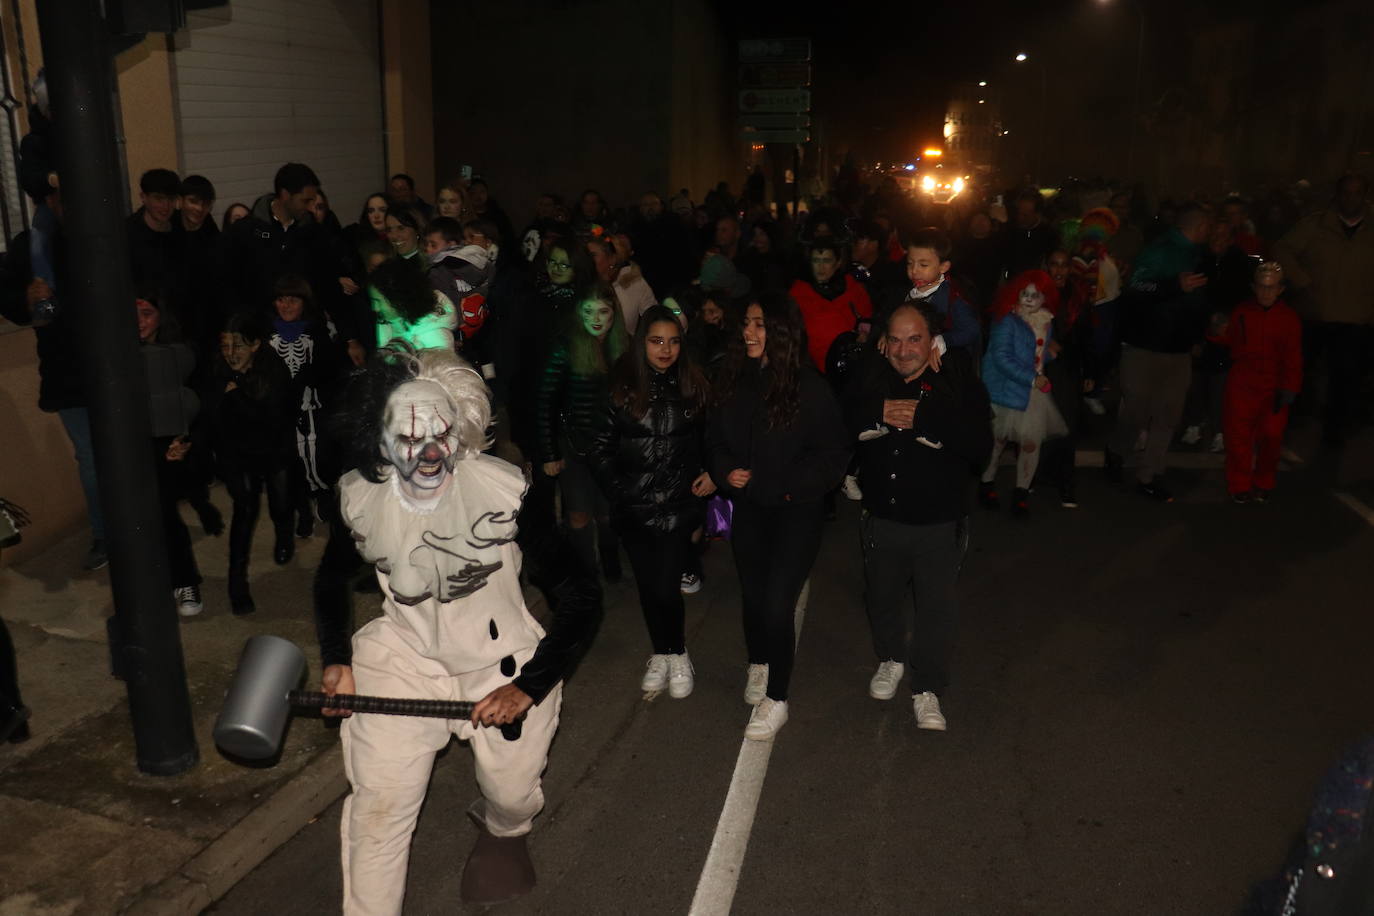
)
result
[(210, 874)]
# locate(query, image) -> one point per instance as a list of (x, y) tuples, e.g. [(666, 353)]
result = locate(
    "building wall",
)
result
[(37, 467), (619, 95), (147, 109), (409, 93)]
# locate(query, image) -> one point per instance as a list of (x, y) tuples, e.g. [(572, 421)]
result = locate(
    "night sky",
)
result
[(883, 70)]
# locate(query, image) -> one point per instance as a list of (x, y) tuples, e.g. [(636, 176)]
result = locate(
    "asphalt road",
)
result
[(1145, 699)]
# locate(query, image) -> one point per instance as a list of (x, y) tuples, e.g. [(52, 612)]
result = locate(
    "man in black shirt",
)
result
[(922, 434)]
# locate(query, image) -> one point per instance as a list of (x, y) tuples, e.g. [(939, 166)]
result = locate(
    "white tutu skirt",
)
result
[(1040, 420)]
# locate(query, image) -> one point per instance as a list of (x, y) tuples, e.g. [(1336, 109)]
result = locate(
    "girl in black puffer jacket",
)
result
[(649, 459), (570, 405)]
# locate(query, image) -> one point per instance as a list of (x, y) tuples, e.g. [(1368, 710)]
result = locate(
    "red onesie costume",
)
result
[(1266, 360)]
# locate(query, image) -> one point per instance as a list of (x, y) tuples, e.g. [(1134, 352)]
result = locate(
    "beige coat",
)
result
[(1332, 276)]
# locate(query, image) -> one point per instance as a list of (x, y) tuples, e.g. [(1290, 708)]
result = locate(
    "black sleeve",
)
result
[(861, 403), (720, 459), (332, 593), (959, 417), (552, 379), (574, 596), (827, 448), (602, 455)]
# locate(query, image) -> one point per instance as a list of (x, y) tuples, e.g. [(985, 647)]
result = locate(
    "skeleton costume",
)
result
[(439, 521), (303, 346)]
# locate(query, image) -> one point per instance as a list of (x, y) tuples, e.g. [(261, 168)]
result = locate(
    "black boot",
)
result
[(240, 598), (14, 721), (1020, 502), (211, 521), (987, 496), (498, 869)]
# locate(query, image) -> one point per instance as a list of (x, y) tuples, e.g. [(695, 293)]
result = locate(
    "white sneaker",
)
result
[(691, 584), (883, 686), (928, 715), (1191, 436), (850, 488), (188, 600), (680, 676), (1218, 444), (656, 675), (1095, 406), (769, 716), (757, 685)]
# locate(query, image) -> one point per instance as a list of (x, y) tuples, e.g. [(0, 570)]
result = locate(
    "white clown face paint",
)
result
[(420, 437), (1030, 300)]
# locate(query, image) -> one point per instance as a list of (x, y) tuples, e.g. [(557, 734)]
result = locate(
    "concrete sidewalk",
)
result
[(84, 831)]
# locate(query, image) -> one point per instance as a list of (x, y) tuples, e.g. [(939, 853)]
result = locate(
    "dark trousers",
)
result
[(919, 563), (181, 559), (775, 548), (658, 560), (1344, 352), (245, 485)]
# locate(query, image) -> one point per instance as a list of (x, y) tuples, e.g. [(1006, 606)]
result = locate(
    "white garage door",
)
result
[(262, 82)]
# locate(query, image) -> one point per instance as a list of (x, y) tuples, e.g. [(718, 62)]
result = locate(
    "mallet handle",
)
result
[(391, 706), (395, 706)]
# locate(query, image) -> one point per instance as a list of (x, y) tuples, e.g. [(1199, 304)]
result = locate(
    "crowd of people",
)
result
[(632, 352)]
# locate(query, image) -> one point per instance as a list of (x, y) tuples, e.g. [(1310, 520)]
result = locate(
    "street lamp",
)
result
[(982, 83), (1021, 57)]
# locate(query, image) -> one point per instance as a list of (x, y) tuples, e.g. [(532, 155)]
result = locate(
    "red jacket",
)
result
[(1266, 346), (827, 319)]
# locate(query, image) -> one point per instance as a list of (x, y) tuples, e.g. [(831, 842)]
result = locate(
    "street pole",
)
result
[(97, 293)]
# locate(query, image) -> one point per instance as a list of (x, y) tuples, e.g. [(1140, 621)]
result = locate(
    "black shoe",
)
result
[(1113, 465), (1259, 496), (305, 525), (211, 522), (1020, 502), (240, 598), (1242, 498), (284, 551), (1067, 498), (987, 496), (1155, 490), (14, 723)]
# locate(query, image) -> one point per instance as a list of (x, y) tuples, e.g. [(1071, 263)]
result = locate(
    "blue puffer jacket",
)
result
[(1009, 366)]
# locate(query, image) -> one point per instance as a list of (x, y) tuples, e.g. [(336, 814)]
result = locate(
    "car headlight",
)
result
[(928, 184)]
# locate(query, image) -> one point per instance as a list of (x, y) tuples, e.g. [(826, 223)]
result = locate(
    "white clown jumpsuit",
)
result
[(455, 627)]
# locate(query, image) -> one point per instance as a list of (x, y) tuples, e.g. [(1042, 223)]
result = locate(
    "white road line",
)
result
[(720, 875), (1356, 505)]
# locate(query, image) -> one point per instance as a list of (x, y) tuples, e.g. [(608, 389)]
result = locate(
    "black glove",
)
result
[(1284, 399)]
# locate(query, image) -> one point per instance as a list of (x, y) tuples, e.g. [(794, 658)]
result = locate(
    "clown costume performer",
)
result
[(1023, 410), (438, 518), (1265, 338)]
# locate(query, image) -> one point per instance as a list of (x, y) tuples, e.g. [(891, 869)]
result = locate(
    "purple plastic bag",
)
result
[(719, 512)]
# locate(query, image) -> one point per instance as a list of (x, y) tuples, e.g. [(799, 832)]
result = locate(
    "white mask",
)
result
[(1030, 300), (420, 438)]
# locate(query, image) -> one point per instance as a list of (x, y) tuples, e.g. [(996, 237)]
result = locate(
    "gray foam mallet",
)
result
[(253, 718)]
